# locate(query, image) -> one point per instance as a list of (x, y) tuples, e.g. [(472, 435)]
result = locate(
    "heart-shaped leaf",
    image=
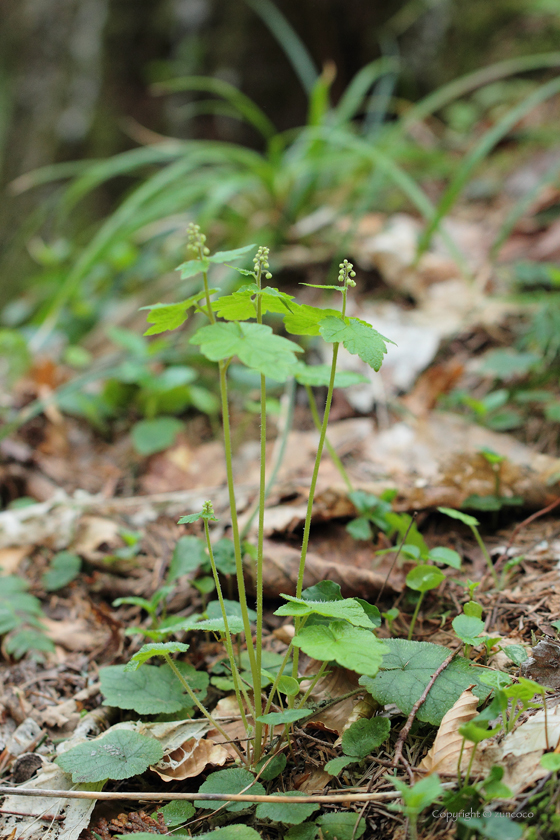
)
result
[(424, 577), (292, 814), (352, 647), (234, 780), (406, 671), (119, 754)]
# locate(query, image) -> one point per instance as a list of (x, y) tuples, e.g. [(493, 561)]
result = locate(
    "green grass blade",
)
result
[(481, 150), (523, 205), (353, 97), (245, 106), (294, 48), (460, 87)]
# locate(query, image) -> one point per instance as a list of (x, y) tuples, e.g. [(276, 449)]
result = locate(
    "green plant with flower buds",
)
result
[(236, 329)]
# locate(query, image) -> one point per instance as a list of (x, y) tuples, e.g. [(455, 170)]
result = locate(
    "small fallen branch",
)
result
[(414, 711)]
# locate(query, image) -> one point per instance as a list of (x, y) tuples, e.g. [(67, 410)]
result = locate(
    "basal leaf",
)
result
[(233, 608), (254, 344), (229, 781), (177, 812), (271, 766), (341, 825), (63, 569), (304, 320), (150, 690), (347, 608), (170, 316), (358, 338), (305, 831), (155, 649), (407, 669), (119, 754), (317, 375), (292, 814), (337, 765), (325, 590), (365, 735), (215, 625), (352, 647), (151, 436)]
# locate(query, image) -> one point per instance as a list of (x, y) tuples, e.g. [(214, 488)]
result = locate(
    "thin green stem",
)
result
[(330, 448), (260, 553), (234, 519), (486, 556), (201, 708), (415, 615), (312, 486), (314, 682), (469, 768), (277, 678), (228, 639)]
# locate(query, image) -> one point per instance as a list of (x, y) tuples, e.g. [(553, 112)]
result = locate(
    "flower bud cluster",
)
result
[(196, 240), (207, 509), (346, 273), (260, 261)]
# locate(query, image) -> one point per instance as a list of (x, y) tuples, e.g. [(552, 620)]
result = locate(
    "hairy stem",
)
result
[(201, 708), (330, 448)]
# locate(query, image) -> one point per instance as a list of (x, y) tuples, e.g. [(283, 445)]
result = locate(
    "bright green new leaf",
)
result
[(320, 375), (419, 796), (194, 517), (215, 625), (118, 754), (462, 517), (169, 316), (446, 556), (473, 608), (358, 337), (364, 736), (254, 344), (352, 647), (151, 690), (192, 267), (284, 813), (229, 781), (551, 762), (304, 320), (468, 627), (348, 609), (238, 306), (226, 256), (151, 436), (285, 717), (337, 765), (189, 555), (407, 669), (64, 567), (177, 812), (288, 686), (424, 577), (341, 825), (155, 649), (495, 679)]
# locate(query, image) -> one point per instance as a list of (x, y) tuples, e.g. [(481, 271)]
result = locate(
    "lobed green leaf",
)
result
[(358, 337)]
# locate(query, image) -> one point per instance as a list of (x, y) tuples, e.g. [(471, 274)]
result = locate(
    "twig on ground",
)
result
[(414, 711)]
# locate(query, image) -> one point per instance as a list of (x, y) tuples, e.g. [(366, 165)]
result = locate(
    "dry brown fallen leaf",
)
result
[(190, 759), (443, 757), (10, 558)]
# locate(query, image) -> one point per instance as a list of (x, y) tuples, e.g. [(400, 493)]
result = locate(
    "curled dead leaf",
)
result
[(443, 757), (190, 759)]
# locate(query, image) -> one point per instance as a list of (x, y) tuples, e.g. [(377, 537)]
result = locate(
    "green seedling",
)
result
[(422, 578), (473, 525), (415, 799), (151, 606), (469, 627), (358, 741)]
